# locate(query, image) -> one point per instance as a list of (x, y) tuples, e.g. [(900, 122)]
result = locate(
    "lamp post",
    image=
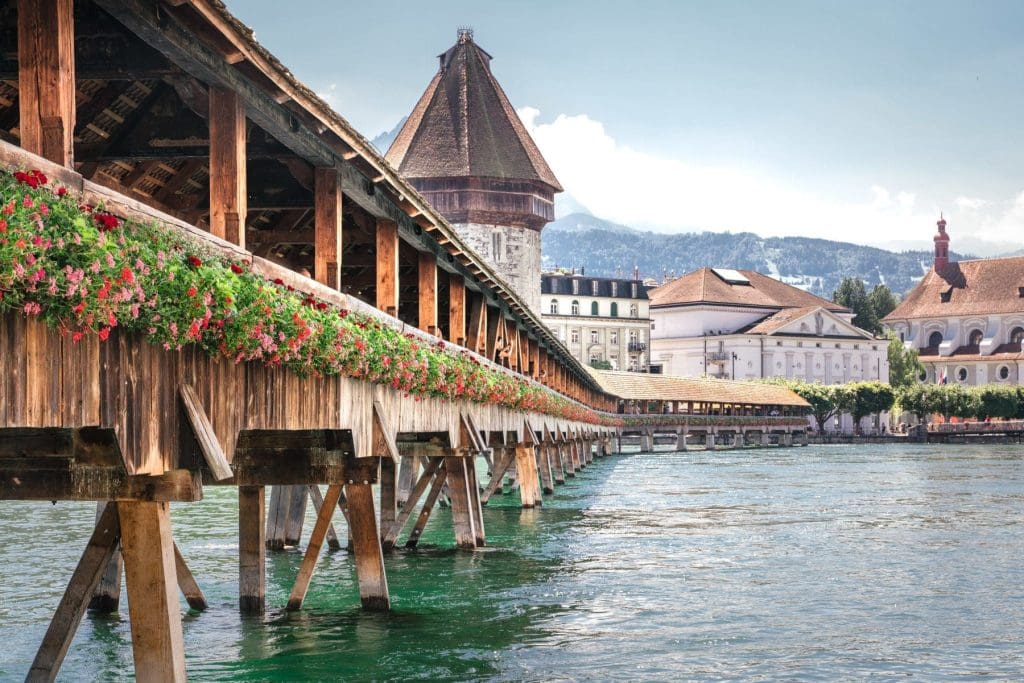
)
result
[(733, 375)]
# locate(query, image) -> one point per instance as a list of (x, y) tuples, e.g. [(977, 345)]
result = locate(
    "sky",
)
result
[(856, 121)]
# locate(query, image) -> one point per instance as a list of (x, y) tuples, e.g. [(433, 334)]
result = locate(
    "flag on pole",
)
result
[(942, 376)]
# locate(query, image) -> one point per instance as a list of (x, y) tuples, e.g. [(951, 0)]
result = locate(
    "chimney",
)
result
[(941, 246)]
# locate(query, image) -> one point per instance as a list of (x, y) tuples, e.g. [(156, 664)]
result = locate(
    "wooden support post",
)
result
[(427, 266), (556, 455), (408, 471), (107, 596), (152, 591), (316, 540), (327, 218), (463, 519), (296, 514), (187, 582), (388, 494), (476, 338), (390, 534), (362, 521), (277, 516), (97, 557), (526, 468), (567, 455), (428, 504), (46, 78), (227, 165), (546, 476), (317, 499), (387, 266), (503, 458), (252, 589), (457, 309), (475, 506)]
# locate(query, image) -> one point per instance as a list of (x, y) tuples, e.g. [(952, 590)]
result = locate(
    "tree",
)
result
[(868, 308), (996, 400), (913, 398), (868, 398), (826, 399), (601, 364), (852, 295), (904, 367), (882, 302)]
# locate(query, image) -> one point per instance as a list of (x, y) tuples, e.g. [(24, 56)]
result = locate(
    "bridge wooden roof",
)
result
[(143, 70), (638, 386)]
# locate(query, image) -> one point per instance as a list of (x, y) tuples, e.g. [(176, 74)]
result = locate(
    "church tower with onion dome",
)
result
[(466, 150)]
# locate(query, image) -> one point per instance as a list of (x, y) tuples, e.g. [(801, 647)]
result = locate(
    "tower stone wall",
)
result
[(513, 252)]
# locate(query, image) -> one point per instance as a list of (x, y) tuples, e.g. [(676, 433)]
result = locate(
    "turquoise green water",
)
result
[(819, 563)]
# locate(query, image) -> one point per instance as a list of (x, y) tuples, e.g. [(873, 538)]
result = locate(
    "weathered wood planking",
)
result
[(133, 387)]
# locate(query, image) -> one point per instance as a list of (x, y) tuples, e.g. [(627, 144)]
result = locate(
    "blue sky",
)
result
[(857, 120)]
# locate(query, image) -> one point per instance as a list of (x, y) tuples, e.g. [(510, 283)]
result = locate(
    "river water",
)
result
[(817, 563)]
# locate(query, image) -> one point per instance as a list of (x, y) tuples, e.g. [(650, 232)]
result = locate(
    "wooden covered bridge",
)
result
[(703, 411), (397, 363)]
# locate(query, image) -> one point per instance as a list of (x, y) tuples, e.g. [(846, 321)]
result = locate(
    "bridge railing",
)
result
[(680, 420), (998, 427)]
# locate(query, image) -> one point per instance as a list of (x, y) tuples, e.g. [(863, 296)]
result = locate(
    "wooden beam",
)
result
[(252, 589), (478, 324), (227, 166), (253, 236), (427, 266), (362, 520), (187, 582), (387, 267), (327, 227), (428, 505), (317, 498), (94, 561), (46, 78), (205, 436), (392, 532), (457, 309), (316, 540), (152, 591), (458, 488)]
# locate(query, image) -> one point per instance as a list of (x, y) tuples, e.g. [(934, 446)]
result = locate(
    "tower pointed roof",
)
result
[(465, 126)]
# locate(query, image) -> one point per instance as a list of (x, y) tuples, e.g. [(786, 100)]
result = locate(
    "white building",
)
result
[(966, 318), (599, 319), (744, 325)]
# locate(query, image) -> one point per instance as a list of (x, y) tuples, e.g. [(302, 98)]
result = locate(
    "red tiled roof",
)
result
[(970, 353), (464, 125), (981, 287), (704, 286)]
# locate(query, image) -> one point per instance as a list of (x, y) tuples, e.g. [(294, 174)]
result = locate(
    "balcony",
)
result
[(637, 347)]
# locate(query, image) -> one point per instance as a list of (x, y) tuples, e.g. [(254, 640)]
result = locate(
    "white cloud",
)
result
[(622, 184), (969, 203)]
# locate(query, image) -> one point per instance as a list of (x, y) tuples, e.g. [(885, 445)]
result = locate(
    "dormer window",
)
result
[(944, 297)]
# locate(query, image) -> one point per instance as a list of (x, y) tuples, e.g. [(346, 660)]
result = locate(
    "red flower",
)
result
[(127, 276), (31, 178), (61, 191), (194, 261), (192, 291), (237, 269), (106, 221), (104, 333), (278, 281), (77, 337)]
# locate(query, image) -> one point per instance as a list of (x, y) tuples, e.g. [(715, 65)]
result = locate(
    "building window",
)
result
[(974, 338), (575, 307), (1017, 335), (615, 289), (554, 307), (575, 286), (594, 308), (615, 309), (498, 246), (634, 312), (934, 339), (961, 374), (593, 336), (1004, 372), (613, 337), (632, 336), (593, 287), (595, 358), (574, 336)]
